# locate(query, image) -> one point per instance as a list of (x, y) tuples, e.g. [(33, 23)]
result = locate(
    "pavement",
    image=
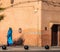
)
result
[(31, 49)]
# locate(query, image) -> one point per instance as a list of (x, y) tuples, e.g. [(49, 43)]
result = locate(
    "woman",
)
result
[(9, 37)]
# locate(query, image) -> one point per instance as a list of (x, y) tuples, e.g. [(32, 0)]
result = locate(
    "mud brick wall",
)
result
[(32, 38), (45, 38)]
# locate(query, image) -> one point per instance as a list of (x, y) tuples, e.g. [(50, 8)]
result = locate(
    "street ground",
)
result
[(31, 49)]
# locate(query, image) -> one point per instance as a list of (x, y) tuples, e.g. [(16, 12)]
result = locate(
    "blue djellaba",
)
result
[(9, 37)]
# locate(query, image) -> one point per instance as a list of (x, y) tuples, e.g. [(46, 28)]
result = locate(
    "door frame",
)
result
[(57, 36)]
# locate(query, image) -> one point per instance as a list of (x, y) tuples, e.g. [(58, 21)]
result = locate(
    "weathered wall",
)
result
[(50, 16), (26, 16)]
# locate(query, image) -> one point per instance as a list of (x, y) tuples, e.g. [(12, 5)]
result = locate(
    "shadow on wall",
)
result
[(20, 41), (1, 17)]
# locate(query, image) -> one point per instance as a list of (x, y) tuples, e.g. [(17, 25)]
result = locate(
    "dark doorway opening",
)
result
[(54, 35)]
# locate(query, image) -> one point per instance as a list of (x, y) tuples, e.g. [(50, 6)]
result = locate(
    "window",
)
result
[(45, 28)]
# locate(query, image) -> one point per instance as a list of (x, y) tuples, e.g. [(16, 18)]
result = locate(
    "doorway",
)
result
[(54, 35)]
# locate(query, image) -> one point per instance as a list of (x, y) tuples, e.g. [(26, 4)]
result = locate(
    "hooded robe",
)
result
[(9, 37)]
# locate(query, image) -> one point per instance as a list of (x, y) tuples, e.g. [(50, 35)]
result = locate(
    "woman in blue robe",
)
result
[(9, 37)]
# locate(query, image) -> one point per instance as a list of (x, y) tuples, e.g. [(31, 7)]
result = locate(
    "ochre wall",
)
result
[(32, 18), (26, 16), (50, 16)]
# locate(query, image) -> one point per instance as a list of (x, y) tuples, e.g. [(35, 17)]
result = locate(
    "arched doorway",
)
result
[(54, 35)]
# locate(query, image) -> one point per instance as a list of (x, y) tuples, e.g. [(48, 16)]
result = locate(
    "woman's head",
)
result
[(10, 28)]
